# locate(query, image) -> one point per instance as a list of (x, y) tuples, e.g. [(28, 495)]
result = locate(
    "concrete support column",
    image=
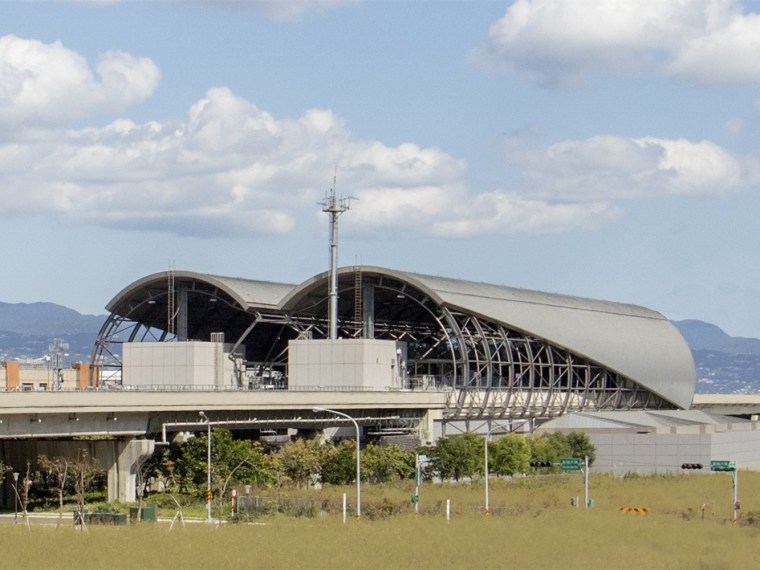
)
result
[(122, 475), (427, 425)]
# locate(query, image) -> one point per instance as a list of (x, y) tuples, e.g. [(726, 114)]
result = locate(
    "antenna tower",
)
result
[(334, 207)]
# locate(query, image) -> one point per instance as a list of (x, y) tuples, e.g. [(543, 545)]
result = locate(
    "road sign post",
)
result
[(574, 464), (722, 465), (729, 467), (737, 504), (585, 483), (570, 464)]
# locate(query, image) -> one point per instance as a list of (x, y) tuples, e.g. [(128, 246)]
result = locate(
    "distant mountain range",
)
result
[(725, 364), (702, 336), (27, 330)]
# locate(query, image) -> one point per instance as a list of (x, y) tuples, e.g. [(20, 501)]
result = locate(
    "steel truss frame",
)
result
[(490, 371), (118, 329), (508, 374), (500, 373)]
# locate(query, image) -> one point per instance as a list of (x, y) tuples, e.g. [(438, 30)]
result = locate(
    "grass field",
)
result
[(532, 525)]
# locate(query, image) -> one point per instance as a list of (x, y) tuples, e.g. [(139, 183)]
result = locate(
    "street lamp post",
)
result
[(418, 463), (358, 457), (15, 496), (208, 466), (488, 436)]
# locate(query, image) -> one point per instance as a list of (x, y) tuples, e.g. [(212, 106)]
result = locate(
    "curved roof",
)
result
[(636, 342), (247, 293), (214, 304)]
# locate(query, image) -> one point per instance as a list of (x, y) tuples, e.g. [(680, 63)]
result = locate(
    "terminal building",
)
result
[(499, 353)]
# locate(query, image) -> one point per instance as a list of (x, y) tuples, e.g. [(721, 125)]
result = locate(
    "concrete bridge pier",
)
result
[(428, 425), (119, 458), (125, 458)]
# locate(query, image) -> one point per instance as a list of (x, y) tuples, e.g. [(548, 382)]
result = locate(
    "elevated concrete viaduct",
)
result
[(61, 423)]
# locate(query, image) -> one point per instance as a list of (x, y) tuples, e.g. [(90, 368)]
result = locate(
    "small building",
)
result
[(190, 363), (33, 376), (360, 364), (661, 441)]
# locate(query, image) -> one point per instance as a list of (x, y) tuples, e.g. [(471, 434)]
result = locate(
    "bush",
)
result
[(382, 464), (339, 467), (458, 457)]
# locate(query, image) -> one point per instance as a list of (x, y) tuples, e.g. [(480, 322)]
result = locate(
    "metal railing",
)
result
[(215, 388)]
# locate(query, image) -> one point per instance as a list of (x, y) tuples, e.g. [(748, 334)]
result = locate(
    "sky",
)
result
[(607, 149)]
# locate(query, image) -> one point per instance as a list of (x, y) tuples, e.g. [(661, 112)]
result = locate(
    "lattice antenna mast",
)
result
[(334, 206)]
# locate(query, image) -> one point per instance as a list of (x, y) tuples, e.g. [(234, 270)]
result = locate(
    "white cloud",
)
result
[(231, 168), (726, 55), (281, 10), (609, 167), (50, 84), (555, 41), (508, 212)]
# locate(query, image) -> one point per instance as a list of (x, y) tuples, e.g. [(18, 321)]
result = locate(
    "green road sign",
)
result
[(722, 465), (570, 464)]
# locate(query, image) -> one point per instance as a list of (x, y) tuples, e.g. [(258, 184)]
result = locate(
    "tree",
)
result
[(382, 463), (58, 474), (22, 494), (156, 466), (84, 470), (227, 453), (458, 456), (554, 446), (581, 446), (4, 470), (300, 460), (509, 455), (549, 447), (339, 467)]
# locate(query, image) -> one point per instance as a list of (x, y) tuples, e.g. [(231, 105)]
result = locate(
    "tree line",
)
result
[(182, 468), (305, 462)]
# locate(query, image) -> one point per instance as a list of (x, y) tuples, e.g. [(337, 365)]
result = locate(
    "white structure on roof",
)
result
[(184, 363), (346, 363)]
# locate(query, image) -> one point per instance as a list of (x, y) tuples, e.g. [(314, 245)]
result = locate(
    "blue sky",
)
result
[(607, 149)]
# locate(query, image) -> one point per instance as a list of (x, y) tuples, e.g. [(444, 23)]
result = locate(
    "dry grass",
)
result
[(533, 526)]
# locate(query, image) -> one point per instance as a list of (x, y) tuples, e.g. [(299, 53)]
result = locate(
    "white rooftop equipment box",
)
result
[(182, 363), (347, 364)]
